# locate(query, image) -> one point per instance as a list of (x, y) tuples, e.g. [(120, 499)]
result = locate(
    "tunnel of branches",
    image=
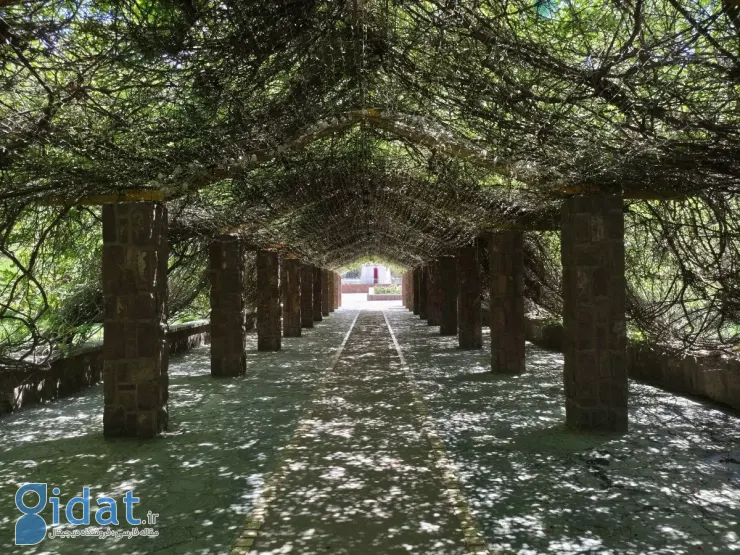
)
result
[(338, 132)]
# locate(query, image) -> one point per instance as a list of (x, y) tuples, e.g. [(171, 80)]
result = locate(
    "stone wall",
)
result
[(355, 287), (713, 378), (82, 368), (384, 297)]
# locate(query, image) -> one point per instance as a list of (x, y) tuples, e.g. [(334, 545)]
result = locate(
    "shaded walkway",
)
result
[(360, 476), (537, 488), (201, 477)]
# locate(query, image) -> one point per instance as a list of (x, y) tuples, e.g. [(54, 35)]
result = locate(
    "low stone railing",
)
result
[(383, 297), (355, 287), (712, 377), (81, 368)]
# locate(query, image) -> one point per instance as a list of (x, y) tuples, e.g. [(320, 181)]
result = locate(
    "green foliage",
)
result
[(387, 289), (374, 130)]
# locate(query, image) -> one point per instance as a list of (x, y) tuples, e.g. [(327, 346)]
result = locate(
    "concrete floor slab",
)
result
[(369, 453)]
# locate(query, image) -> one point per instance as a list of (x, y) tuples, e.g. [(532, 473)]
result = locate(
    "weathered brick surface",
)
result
[(406, 290), (469, 322), (318, 292), (384, 297), (448, 295), (410, 290), (135, 348), (325, 291), (332, 294), (415, 289), (268, 301), (594, 293), (506, 260), (306, 296), (228, 306), (356, 287), (433, 294), (423, 292), (290, 284)]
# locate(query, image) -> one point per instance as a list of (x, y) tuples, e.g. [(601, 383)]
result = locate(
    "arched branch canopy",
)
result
[(386, 128)]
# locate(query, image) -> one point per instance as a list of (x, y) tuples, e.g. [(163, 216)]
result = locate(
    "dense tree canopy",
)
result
[(344, 129)]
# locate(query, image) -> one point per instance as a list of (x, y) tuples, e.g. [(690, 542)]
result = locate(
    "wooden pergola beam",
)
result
[(643, 194), (129, 195), (152, 195)]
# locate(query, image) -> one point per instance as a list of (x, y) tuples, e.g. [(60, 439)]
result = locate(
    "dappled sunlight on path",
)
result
[(225, 435), (537, 488), (360, 477), (360, 448)]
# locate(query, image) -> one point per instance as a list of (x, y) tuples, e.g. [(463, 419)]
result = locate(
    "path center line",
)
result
[(473, 538), (256, 516)]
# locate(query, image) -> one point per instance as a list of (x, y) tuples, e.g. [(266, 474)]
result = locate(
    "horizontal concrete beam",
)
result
[(131, 195)]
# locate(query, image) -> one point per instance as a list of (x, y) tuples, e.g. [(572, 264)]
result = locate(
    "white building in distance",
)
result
[(375, 274)]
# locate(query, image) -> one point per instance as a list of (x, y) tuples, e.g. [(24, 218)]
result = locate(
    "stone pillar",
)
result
[(338, 290), (226, 271), (448, 295), (268, 301), (318, 277), (408, 295), (135, 351), (325, 291), (469, 321), (433, 294), (506, 261), (594, 302), (332, 296), (403, 290), (290, 285), (415, 277), (423, 291), (410, 290), (306, 296)]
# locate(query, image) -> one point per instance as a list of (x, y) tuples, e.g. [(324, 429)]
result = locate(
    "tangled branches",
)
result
[(384, 128)]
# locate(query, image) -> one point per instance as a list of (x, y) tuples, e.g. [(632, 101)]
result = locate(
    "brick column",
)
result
[(410, 290), (290, 285), (448, 295), (416, 278), (594, 291), (135, 352), (469, 321), (408, 296), (325, 291), (226, 271), (332, 296), (268, 302), (403, 290), (433, 294), (306, 296), (318, 277), (423, 304), (335, 290), (338, 290), (507, 301)]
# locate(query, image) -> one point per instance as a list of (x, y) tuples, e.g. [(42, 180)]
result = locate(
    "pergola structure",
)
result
[(453, 139)]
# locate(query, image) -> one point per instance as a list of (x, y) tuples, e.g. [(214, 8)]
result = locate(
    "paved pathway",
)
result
[(360, 449), (360, 475)]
